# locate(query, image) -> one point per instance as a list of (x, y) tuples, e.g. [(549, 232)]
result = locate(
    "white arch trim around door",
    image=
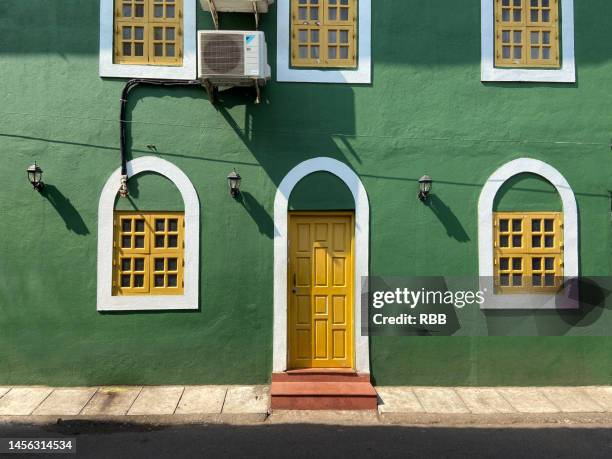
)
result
[(362, 238), (568, 298), (189, 300)]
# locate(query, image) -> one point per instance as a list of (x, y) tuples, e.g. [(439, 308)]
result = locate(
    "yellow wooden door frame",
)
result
[(334, 310)]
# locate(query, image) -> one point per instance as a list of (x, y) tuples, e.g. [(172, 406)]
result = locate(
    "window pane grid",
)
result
[(323, 33), (166, 274), (528, 252), (527, 33), (165, 43), (148, 255), (131, 10)]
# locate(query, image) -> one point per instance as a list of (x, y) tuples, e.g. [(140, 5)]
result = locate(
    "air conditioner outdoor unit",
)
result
[(233, 58)]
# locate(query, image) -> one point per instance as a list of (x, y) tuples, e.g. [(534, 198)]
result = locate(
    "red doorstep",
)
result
[(322, 390)]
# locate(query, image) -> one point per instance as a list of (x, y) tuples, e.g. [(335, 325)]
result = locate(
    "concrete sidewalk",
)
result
[(247, 403), (498, 400), (177, 404)]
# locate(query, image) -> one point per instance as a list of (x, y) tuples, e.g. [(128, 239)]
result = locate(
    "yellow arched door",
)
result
[(320, 289)]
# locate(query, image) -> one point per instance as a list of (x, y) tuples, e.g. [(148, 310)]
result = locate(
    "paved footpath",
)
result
[(177, 404)]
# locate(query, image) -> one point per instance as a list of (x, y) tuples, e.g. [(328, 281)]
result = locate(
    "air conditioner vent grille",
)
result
[(222, 54)]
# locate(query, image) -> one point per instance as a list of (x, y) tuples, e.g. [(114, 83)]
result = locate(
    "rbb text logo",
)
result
[(432, 319)]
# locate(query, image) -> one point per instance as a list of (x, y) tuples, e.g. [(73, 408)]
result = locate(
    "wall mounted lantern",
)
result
[(233, 180), (35, 176), (425, 184)]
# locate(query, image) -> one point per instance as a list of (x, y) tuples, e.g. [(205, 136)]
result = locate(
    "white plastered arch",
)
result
[(485, 236), (189, 300), (362, 237)]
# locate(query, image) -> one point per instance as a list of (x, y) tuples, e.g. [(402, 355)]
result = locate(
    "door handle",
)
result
[(294, 283)]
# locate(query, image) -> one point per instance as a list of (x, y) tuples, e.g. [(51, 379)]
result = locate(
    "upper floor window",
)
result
[(527, 33), (527, 40), (148, 39), (324, 33), (148, 32)]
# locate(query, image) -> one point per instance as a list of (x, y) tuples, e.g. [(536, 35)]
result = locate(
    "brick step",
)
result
[(323, 389), (317, 395), (325, 375)]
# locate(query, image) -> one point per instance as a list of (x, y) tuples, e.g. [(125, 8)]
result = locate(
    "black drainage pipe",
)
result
[(131, 84)]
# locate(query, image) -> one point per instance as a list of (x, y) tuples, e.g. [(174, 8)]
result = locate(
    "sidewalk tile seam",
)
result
[(43, 400), (580, 391), (411, 389), (224, 399), (496, 392), (596, 402), (10, 388), (178, 402), (463, 401), (90, 399), (501, 394), (543, 394), (134, 401)]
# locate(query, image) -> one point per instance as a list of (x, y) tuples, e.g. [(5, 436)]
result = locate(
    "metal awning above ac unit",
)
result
[(236, 6)]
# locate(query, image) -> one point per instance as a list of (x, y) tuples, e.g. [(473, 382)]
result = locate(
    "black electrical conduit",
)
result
[(123, 190)]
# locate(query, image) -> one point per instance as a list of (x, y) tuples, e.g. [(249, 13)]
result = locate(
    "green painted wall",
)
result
[(151, 191), (321, 191), (527, 193), (426, 112)]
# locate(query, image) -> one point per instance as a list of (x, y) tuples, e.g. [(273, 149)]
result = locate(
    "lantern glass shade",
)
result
[(35, 176), (425, 184), (233, 180)]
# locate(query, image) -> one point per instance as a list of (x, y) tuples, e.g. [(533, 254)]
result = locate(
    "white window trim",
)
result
[(109, 69), (189, 300), (566, 74), (361, 75), (362, 241), (568, 298)]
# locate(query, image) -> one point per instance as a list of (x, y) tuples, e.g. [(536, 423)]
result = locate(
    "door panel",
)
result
[(320, 290)]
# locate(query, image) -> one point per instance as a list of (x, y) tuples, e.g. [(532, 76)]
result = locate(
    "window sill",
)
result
[(566, 74), (147, 303), (161, 72), (568, 298)]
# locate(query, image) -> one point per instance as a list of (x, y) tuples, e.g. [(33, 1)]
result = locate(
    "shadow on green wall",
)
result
[(143, 92), (453, 226), (527, 193), (321, 191), (258, 213), (73, 220), (149, 191), (594, 301), (332, 106)]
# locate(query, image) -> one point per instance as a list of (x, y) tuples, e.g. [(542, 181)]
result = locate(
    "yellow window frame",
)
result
[(148, 32), (148, 253), (528, 252), (324, 18), (519, 25)]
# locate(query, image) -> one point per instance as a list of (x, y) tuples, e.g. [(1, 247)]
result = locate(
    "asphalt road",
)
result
[(110, 440)]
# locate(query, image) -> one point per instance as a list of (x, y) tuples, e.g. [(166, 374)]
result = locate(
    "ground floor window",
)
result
[(148, 253), (528, 251)]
